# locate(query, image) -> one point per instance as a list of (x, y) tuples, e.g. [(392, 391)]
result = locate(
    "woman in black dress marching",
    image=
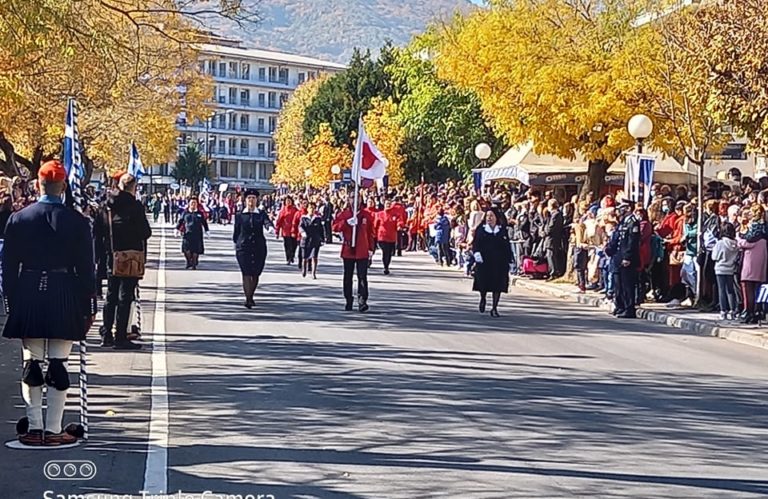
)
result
[(193, 226), (493, 255), (312, 235), (250, 243)]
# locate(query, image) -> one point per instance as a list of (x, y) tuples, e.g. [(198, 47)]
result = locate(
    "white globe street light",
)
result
[(308, 172), (335, 169), (483, 151), (640, 127)]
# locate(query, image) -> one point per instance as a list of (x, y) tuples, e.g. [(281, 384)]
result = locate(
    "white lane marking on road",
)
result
[(156, 471)]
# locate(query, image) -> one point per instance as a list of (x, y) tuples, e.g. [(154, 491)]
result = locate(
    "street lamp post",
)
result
[(307, 174), (482, 152), (640, 128)]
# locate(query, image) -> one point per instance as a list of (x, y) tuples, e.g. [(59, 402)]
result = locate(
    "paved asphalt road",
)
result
[(421, 398)]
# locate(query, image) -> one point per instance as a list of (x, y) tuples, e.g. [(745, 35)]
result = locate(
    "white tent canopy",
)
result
[(522, 164)]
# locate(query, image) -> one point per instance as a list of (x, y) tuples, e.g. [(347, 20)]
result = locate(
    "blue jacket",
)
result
[(442, 230)]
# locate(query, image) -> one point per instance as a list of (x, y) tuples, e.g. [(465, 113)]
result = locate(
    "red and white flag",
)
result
[(368, 163)]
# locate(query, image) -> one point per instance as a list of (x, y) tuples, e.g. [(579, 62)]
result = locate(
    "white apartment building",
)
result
[(251, 87)]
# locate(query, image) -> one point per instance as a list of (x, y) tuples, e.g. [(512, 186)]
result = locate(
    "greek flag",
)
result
[(135, 167), (72, 160), (639, 177), (206, 187)]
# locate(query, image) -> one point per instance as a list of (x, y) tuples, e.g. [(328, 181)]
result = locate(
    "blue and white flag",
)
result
[(135, 167), (72, 160), (639, 177)]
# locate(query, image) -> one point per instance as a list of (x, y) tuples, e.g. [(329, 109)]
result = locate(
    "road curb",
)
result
[(758, 340)]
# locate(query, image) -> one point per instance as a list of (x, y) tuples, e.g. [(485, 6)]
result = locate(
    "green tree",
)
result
[(443, 123), (346, 96), (190, 168)]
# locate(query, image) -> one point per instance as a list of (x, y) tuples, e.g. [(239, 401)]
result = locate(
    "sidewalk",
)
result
[(681, 318)]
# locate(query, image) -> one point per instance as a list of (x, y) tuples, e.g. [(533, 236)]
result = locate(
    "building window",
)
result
[(244, 147), (273, 75), (272, 149), (244, 122), (233, 147), (228, 169), (260, 126), (283, 99), (232, 70), (245, 97), (233, 96), (311, 75), (262, 74), (223, 69), (262, 150), (245, 72), (265, 171), (212, 68), (233, 122), (272, 100), (302, 77), (272, 124), (222, 121), (284, 76), (262, 100), (248, 170), (222, 147)]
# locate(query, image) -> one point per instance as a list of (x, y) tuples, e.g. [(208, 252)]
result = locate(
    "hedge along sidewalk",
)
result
[(689, 320)]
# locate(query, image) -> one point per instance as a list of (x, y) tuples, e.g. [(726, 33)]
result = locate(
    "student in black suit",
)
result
[(250, 243)]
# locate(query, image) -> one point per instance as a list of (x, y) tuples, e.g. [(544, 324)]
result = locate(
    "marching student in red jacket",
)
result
[(386, 224), (295, 229), (402, 230), (284, 227), (357, 257)]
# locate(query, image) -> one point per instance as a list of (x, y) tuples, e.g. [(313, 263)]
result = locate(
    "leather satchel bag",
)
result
[(677, 257), (126, 263)]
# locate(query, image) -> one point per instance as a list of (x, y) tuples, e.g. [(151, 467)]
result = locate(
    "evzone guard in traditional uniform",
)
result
[(49, 283)]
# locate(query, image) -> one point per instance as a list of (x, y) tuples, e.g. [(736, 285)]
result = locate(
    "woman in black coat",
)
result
[(192, 225), (312, 236), (250, 243), (493, 255)]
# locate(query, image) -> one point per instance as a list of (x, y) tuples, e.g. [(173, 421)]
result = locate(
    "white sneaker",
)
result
[(673, 303), (687, 303), (723, 316)]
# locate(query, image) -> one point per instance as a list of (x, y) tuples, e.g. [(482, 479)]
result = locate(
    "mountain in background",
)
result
[(331, 29)]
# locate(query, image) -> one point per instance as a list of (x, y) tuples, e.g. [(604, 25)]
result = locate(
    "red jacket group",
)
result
[(387, 223), (284, 225), (365, 240)]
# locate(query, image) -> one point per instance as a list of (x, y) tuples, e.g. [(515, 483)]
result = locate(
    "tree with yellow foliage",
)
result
[(124, 63), (322, 155), (292, 147), (544, 71), (383, 127)]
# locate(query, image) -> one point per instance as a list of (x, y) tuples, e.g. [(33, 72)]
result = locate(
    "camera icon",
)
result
[(69, 470)]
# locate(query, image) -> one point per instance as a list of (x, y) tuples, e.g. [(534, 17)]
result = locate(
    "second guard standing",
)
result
[(624, 249)]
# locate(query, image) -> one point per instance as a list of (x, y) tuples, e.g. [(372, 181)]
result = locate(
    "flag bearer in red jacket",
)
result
[(355, 258)]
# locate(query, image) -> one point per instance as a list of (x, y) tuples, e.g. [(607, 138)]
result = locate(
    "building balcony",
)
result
[(242, 155), (255, 82), (239, 132)]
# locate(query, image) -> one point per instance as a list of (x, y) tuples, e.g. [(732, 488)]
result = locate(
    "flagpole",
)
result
[(358, 152)]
